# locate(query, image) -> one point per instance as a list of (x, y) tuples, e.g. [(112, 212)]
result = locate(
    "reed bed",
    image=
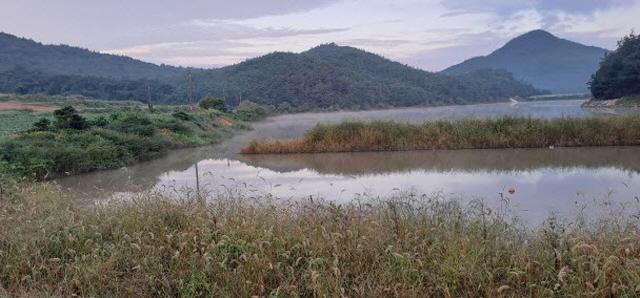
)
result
[(236, 246), (460, 134)]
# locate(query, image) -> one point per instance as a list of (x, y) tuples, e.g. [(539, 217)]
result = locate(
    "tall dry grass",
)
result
[(236, 246), (460, 134)]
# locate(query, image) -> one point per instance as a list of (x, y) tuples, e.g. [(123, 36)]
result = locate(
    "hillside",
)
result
[(542, 59), (20, 80), (619, 73), (338, 77), (67, 60), (327, 77)]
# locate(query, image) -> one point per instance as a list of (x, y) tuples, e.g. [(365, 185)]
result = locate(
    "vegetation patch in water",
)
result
[(461, 134), (238, 247)]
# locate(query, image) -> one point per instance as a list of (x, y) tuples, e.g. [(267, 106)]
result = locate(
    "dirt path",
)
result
[(14, 105)]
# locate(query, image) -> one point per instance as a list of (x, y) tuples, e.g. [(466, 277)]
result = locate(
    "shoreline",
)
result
[(623, 102)]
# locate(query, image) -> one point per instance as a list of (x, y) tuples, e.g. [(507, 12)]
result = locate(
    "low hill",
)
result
[(67, 60), (542, 59), (338, 77)]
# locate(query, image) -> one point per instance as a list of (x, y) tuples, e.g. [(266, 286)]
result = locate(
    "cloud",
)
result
[(81, 22), (208, 43), (580, 6), (503, 7), (365, 42)]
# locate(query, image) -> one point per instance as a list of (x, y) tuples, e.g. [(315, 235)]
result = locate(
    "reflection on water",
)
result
[(473, 161), (545, 180)]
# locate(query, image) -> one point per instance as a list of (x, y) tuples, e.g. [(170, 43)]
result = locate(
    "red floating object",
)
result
[(511, 190)]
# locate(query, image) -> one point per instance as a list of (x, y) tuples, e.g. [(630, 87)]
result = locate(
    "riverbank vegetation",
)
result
[(460, 134), (239, 246), (103, 135)]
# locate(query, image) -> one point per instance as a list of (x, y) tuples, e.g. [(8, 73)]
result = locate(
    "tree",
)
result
[(213, 103), (43, 124), (68, 117), (619, 73)]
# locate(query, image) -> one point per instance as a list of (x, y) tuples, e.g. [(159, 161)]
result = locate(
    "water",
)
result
[(559, 180)]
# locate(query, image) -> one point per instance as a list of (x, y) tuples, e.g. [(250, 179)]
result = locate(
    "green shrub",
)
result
[(250, 111), (101, 121), (133, 124), (68, 118), (43, 124), (173, 125), (182, 116), (213, 103)]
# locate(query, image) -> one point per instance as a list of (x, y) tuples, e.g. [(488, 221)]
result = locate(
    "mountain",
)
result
[(339, 77), (542, 59), (326, 77), (66, 60)]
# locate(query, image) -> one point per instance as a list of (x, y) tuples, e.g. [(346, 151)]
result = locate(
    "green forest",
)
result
[(20, 80), (619, 73), (327, 77)]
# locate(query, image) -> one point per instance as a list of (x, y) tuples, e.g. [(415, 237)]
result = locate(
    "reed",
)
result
[(152, 246), (460, 134)]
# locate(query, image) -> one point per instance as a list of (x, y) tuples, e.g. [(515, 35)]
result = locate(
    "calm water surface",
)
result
[(546, 180)]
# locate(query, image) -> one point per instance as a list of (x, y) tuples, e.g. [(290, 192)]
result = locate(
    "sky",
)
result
[(428, 34)]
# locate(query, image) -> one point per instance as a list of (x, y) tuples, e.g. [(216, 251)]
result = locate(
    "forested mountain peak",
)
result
[(542, 59)]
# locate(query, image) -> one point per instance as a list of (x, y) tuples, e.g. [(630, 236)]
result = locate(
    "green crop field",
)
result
[(14, 121)]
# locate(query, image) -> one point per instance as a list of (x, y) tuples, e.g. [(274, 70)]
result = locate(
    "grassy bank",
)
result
[(461, 134), (241, 247), (104, 136)]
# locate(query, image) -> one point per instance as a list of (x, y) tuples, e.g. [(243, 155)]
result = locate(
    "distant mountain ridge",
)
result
[(542, 59), (341, 77), (67, 60), (327, 77)]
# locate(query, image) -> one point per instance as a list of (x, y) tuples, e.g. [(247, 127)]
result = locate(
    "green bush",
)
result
[(68, 117), (43, 124), (133, 124), (182, 116), (173, 125), (213, 103), (100, 121), (250, 111)]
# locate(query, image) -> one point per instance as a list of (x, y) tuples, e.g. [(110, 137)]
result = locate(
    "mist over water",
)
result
[(559, 180)]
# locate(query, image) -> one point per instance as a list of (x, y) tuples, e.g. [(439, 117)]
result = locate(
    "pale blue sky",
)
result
[(429, 34)]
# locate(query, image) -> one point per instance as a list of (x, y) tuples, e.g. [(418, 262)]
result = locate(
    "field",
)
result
[(459, 134), (19, 112), (15, 121), (240, 246)]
